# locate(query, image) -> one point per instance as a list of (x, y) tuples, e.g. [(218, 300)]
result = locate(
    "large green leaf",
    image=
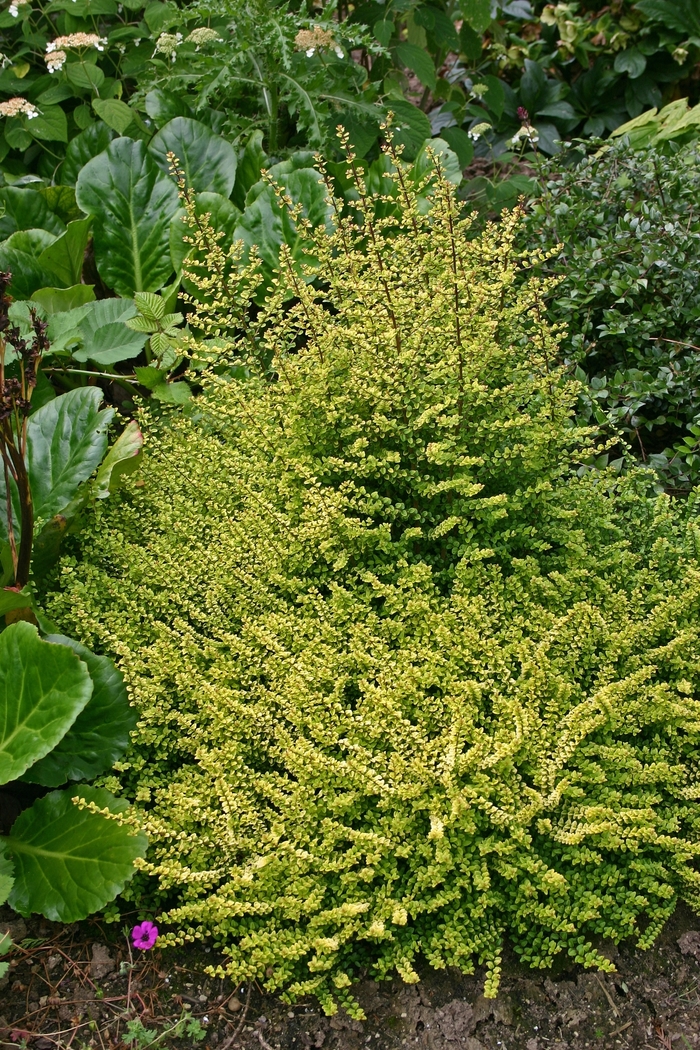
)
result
[(419, 61), (61, 300), (208, 160), (476, 13), (20, 254), (223, 217), (411, 127), (132, 202), (69, 862), (65, 255), (250, 165), (50, 125), (100, 733), (122, 458), (106, 338), (88, 144), (162, 106), (43, 689), (7, 870), (66, 440), (26, 209), (115, 113), (267, 225)]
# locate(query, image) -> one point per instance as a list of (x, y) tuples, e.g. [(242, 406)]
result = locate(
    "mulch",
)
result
[(83, 986)]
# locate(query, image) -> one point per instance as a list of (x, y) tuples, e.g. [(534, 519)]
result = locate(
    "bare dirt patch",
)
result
[(79, 986)]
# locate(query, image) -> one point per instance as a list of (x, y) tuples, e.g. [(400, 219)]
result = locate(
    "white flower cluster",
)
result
[(526, 132), (167, 44), (15, 6), (201, 36), (15, 107), (479, 130), (76, 40), (312, 40), (55, 61)]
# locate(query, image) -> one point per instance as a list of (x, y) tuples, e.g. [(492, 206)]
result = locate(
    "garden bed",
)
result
[(74, 986)]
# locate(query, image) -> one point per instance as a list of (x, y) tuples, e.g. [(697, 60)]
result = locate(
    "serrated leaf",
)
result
[(100, 733), (133, 203), (106, 337), (70, 862), (150, 376), (172, 393), (85, 75), (476, 13), (43, 689), (141, 324), (150, 305)]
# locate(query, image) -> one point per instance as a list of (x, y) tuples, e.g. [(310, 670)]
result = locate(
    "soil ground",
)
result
[(78, 987)]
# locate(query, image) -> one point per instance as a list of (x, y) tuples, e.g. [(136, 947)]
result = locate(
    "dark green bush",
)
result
[(408, 685), (629, 265)]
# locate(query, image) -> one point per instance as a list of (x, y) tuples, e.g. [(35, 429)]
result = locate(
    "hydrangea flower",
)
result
[(76, 40), (311, 40), (16, 106), (15, 6), (479, 129), (201, 36), (55, 61), (167, 44), (144, 935)]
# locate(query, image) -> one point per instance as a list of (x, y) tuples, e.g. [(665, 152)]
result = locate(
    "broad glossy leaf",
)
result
[(60, 300), (223, 216), (12, 599), (133, 203), (162, 106), (26, 209), (88, 144), (100, 733), (411, 127), (65, 255), (7, 871), (43, 689), (69, 862), (208, 160), (61, 201), (630, 61), (121, 459), (250, 165), (265, 224), (20, 255), (106, 338), (67, 440)]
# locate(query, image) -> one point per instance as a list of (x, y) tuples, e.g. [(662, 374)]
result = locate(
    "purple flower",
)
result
[(144, 935)]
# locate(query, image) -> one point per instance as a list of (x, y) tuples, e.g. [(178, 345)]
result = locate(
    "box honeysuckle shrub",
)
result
[(411, 680)]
